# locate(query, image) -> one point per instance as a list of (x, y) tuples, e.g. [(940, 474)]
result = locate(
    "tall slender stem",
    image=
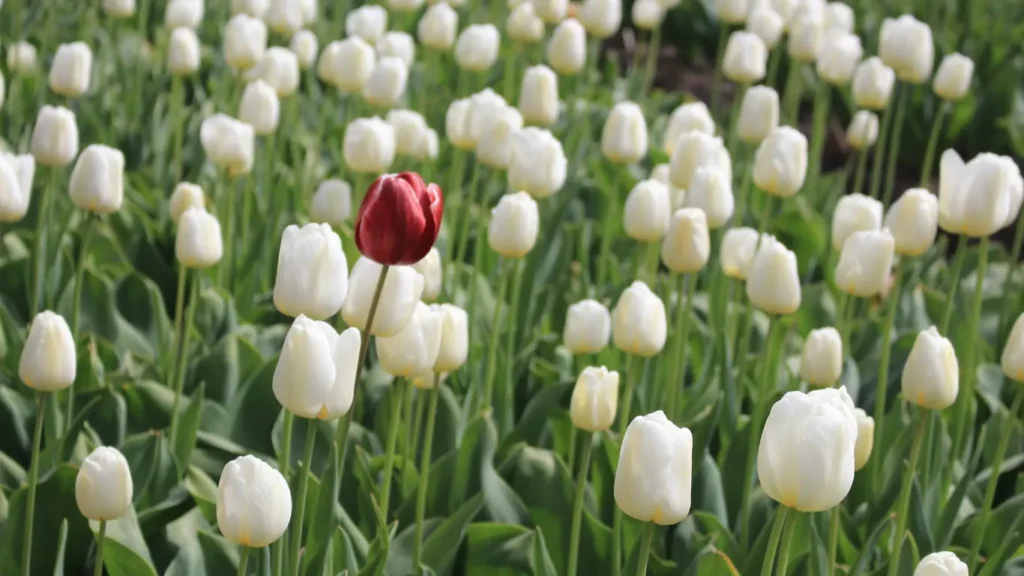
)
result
[(793, 93), (904, 503), (243, 560), (627, 398), (616, 541), (178, 126), (954, 284), (784, 545), (1014, 266), (38, 296), (773, 540), (734, 116), (76, 304), (682, 334), (833, 539), (716, 81), (645, 548), (577, 506), (181, 353), (858, 177), (969, 376), (401, 388), (881, 390), (280, 548), (877, 163), (754, 426), (492, 347), (300, 514), (933, 143), (894, 149), (604, 257), (651, 64), (463, 220), (822, 101), (33, 481), (100, 539), (508, 389), (421, 490)]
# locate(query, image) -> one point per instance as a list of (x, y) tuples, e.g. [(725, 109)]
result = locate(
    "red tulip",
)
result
[(399, 219)]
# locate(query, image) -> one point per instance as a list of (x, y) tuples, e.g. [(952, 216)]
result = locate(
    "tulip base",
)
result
[(33, 482), (677, 374), (646, 539), (100, 539), (784, 545), (833, 539), (963, 401), (577, 506)]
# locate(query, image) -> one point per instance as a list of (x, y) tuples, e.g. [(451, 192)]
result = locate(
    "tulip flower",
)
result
[(941, 564), (711, 192), (438, 26), (759, 114), (686, 118), (551, 11), (839, 57), (737, 253), (514, 225), (652, 480), (913, 221), (624, 137), (456, 122), (245, 41), (483, 108), (538, 99), (865, 438), (906, 46), (55, 136), (639, 326), (404, 5), (248, 484), (694, 150), (121, 9), (647, 211), (254, 8), (588, 326), (567, 49), (397, 45), (183, 52), (821, 362), (332, 202), (839, 18), (1013, 352), (103, 487), (284, 17), (454, 348), (315, 375), (279, 67), (676, 195), (228, 143), (767, 24), (71, 69), (931, 376), (773, 284), (806, 35), (410, 131), (594, 399), (198, 244), (403, 287), (476, 48), (865, 262), (863, 130), (368, 22), (312, 272), (731, 11), (953, 78), (413, 350), (260, 107), (369, 145), (978, 198), (524, 25), (399, 219), (537, 165), (686, 246), (497, 132), (601, 18), (746, 58), (386, 84), (305, 46), (648, 14), (854, 213), (780, 163), (873, 83), (16, 174), (48, 360), (430, 268), (347, 65), (22, 57)]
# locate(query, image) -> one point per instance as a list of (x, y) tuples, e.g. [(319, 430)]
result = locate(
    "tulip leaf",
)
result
[(125, 550), (188, 427), (870, 548), (62, 541)]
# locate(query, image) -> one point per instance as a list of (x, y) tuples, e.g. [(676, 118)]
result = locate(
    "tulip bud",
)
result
[(497, 131), (538, 99), (402, 290), (759, 114), (410, 131), (746, 58), (283, 18), (332, 202), (279, 68), (438, 27), (865, 262), (839, 57), (368, 22), (430, 268), (551, 11), (397, 45), (692, 116), (806, 456), (687, 245), (369, 145), (624, 137), (767, 24), (183, 52), (315, 375), (477, 47), (865, 438), (854, 213), (245, 41), (694, 150), (55, 136), (773, 283), (638, 321), (821, 363), (347, 65), (648, 14), (514, 225), (199, 244), (1013, 352), (839, 18), (413, 350), (386, 83), (404, 5), (731, 11), (247, 485), (941, 564), (953, 79), (97, 181), (48, 359), (312, 272), (186, 195), (594, 399), (537, 164), (429, 146), (711, 193), (71, 69), (523, 25), (601, 18), (467, 125), (103, 487), (254, 8), (806, 35), (873, 82), (16, 174), (228, 143), (676, 196), (737, 253), (260, 107), (931, 375), (183, 14), (457, 124), (780, 164), (454, 347), (913, 221), (399, 219), (979, 198), (119, 8), (803, 9), (653, 478), (21, 57), (305, 46), (863, 130), (647, 211), (588, 325), (906, 46), (567, 49)]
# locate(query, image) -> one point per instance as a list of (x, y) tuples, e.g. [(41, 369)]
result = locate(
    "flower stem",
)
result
[(734, 116), (677, 375), (904, 503), (401, 389), (716, 81), (773, 540), (822, 102), (38, 296), (793, 92), (300, 514), (76, 305), (760, 403), (833, 539), (645, 548), (651, 64), (463, 220), (492, 347), (100, 539), (933, 143), (894, 150), (177, 103), (181, 353), (970, 354), (506, 415), (421, 491), (627, 399), (33, 481), (954, 283), (243, 560), (1015, 265), (881, 390), (280, 548), (879, 156), (862, 163), (784, 546), (577, 506)]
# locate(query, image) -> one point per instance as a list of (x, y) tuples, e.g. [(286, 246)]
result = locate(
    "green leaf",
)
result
[(867, 553), (188, 427), (125, 552), (62, 542), (440, 546)]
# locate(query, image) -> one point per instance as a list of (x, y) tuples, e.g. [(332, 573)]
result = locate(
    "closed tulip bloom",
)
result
[(647, 211), (398, 45), (1013, 352), (48, 359), (731, 11), (551, 11), (497, 132), (906, 46), (368, 22), (399, 219), (913, 221), (821, 363), (312, 272), (853, 213), (865, 439), (369, 145), (254, 8), (588, 326), (456, 124), (538, 99), (438, 27), (198, 244), (931, 375), (806, 35), (594, 399), (404, 5), (653, 478), (430, 146), (773, 283), (477, 47), (676, 195), (483, 106), (691, 116), (228, 143), (402, 290), (746, 58), (538, 164), (245, 41), (759, 114), (183, 14), (638, 321), (863, 130), (386, 85), (305, 47), (514, 225), (767, 24), (873, 82), (694, 150), (279, 68), (839, 18), (941, 564), (711, 193), (567, 49), (601, 18), (865, 262), (430, 268), (687, 245), (315, 375), (413, 350), (648, 14), (260, 107), (347, 64), (55, 136), (119, 8), (807, 453), (332, 202), (97, 181), (21, 57), (254, 503), (624, 137), (524, 25), (737, 253), (953, 79), (978, 198), (183, 52), (454, 348), (283, 17), (839, 57), (186, 195), (71, 69), (780, 164), (410, 131), (804, 9), (103, 487), (16, 174)]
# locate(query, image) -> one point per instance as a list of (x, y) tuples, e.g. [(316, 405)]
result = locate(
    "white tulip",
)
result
[(653, 478), (71, 69), (411, 131), (821, 361), (22, 57), (228, 143), (978, 198), (403, 288), (97, 181), (711, 193), (198, 244), (588, 326), (567, 49), (477, 47), (454, 347), (687, 244), (315, 375), (759, 114), (865, 439), (514, 225), (538, 99), (1013, 353), (413, 350), (773, 283), (639, 326), (183, 56), (398, 45), (121, 9), (260, 107), (312, 272), (906, 46), (767, 24), (16, 175), (305, 46), (731, 11), (913, 221), (497, 133), (863, 130), (457, 124), (648, 14), (853, 213), (780, 163), (254, 503), (369, 145), (686, 118), (873, 83), (283, 17), (386, 84), (551, 11), (332, 202), (438, 27), (524, 25), (839, 57), (677, 196), (594, 399), (368, 22), (806, 35), (839, 18), (931, 375), (739, 245), (103, 487), (430, 268), (538, 164), (245, 41), (184, 14), (865, 262), (953, 79), (746, 58), (48, 360), (941, 564), (694, 150), (404, 5), (483, 107), (279, 68), (647, 211), (624, 137), (601, 18), (254, 8), (347, 65)]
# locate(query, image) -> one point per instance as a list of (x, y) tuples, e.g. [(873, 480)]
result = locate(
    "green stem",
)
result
[(774, 60), (933, 143), (577, 506), (878, 160), (273, 208), (760, 404), (76, 305), (464, 220), (33, 481), (954, 284), (243, 560), (39, 246), (1009, 295), (734, 116), (969, 375), (862, 163), (284, 465), (833, 539), (617, 541), (716, 80), (389, 454), (822, 102), (904, 502), (881, 390), (627, 399), (508, 387), (897, 136), (181, 337), (611, 209), (793, 93), (773, 540), (417, 423), (177, 103), (679, 355), (300, 514), (421, 491), (492, 347), (651, 64), (100, 539), (784, 545), (645, 548)]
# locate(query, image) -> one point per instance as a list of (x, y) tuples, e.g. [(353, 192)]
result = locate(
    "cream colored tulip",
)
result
[(931, 375), (594, 399), (638, 321)]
